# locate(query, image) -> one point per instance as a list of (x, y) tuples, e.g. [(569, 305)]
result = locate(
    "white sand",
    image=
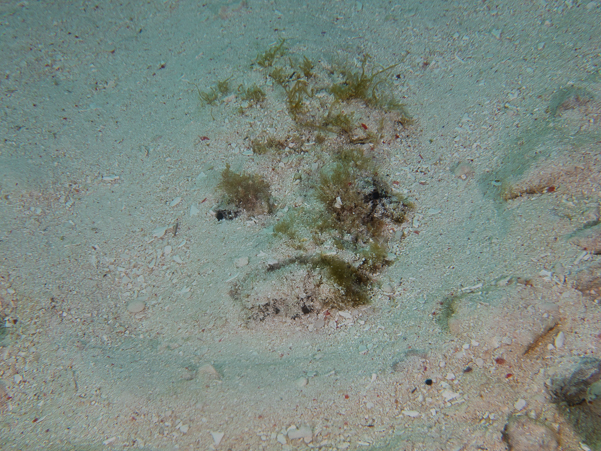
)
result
[(102, 145)]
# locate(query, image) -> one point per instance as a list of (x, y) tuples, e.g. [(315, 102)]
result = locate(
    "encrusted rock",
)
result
[(524, 434), (573, 390)]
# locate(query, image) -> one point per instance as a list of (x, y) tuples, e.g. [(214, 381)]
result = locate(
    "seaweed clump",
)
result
[(356, 200), (214, 93), (356, 206), (336, 245), (263, 145), (253, 94), (249, 192), (361, 85), (351, 282), (295, 98), (269, 56)]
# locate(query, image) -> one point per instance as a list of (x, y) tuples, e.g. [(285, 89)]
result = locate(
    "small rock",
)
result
[(410, 413), (272, 263), (240, 262), (319, 323), (187, 374), (387, 288), (136, 306), (523, 434), (194, 210), (159, 232), (520, 404), (463, 171), (109, 441), (304, 432), (175, 201), (209, 372), (346, 315), (282, 439), (573, 390), (217, 436), (301, 382), (448, 395), (560, 340)]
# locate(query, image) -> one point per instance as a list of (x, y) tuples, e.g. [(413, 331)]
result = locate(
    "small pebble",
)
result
[(520, 404), (319, 323), (136, 307), (387, 288), (346, 314), (463, 171), (448, 395), (217, 436), (209, 372), (303, 432), (240, 262), (522, 433), (301, 382), (560, 340), (160, 231)]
